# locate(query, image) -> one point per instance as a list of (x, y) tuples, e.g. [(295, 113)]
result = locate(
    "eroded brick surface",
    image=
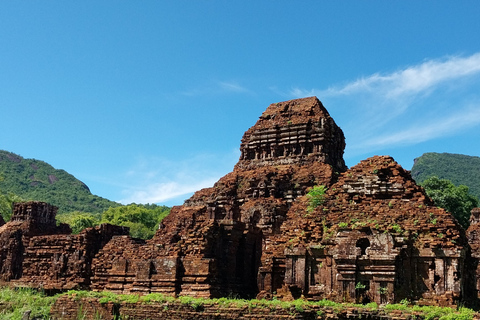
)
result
[(73, 308), (221, 234), (35, 251), (376, 237)]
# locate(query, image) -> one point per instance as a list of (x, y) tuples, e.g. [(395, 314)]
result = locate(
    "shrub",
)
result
[(316, 197), (14, 303)]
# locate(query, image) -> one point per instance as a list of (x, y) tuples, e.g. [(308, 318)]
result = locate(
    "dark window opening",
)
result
[(363, 244)]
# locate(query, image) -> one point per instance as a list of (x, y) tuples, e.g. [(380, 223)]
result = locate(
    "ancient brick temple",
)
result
[(375, 235), (35, 251)]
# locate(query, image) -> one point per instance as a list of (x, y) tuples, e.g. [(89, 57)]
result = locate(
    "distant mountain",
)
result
[(37, 180), (458, 168)]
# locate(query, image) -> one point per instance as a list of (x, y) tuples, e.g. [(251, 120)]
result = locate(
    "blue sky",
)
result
[(146, 101)]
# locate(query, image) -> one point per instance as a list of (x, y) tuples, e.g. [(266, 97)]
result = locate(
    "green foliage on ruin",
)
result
[(79, 221), (32, 179), (14, 304), (316, 197), (6, 204), (458, 168), (143, 220), (455, 199)]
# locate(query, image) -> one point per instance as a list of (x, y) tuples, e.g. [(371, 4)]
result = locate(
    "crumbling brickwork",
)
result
[(73, 308), (35, 251), (28, 219), (374, 236), (61, 262), (220, 235), (473, 234)]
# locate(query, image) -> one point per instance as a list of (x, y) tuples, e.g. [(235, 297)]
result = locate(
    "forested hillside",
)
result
[(29, 179), (458, 168), (32, 179)]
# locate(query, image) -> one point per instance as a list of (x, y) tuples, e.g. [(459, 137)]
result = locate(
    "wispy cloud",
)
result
[(216, 88), (161, 192), (435, 129), (232, 86), (153, 180), (376, 109), (408, 81)]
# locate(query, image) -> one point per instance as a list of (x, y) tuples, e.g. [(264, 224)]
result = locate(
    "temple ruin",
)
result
[(374, 237)]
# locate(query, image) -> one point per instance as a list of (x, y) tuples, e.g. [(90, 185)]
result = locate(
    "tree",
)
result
[(79, 220), (456, 200), (6, 204), (142, 220)]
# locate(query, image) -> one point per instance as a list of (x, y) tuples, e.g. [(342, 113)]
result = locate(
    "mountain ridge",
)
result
[(33, 179), (460, 169)]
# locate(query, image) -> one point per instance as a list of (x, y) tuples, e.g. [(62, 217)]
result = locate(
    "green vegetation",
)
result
[(14, 303), (360, 286), (456, 200), (79, 220), (143, 220), (396, 228), (316, 197), (300, 305), (343, 225), (28, 179), (458, 168), (6, 204), (32, 179)]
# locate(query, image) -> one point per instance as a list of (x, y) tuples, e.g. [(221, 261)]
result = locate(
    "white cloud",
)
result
[(216, 88), (408, 81), (161, 192), (232, 86), (154, 180), (427, 131), (432, 99)]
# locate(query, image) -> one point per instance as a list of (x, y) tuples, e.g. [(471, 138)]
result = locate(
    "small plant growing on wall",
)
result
[(383, 290), (316, 197), (360, 286), (343, 225), (396, 228)]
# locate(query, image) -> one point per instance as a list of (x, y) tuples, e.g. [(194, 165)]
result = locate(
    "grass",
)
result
[(14, 303)]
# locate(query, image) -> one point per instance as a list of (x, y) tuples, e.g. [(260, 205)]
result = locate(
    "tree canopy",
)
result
[(456, 200), (6, 203), (143, 220)]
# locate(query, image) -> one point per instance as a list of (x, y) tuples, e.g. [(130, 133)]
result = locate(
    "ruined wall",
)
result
[(376, 238), (28, 219), (35, 251), (473, 235), (63, 262), (73, 308)]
